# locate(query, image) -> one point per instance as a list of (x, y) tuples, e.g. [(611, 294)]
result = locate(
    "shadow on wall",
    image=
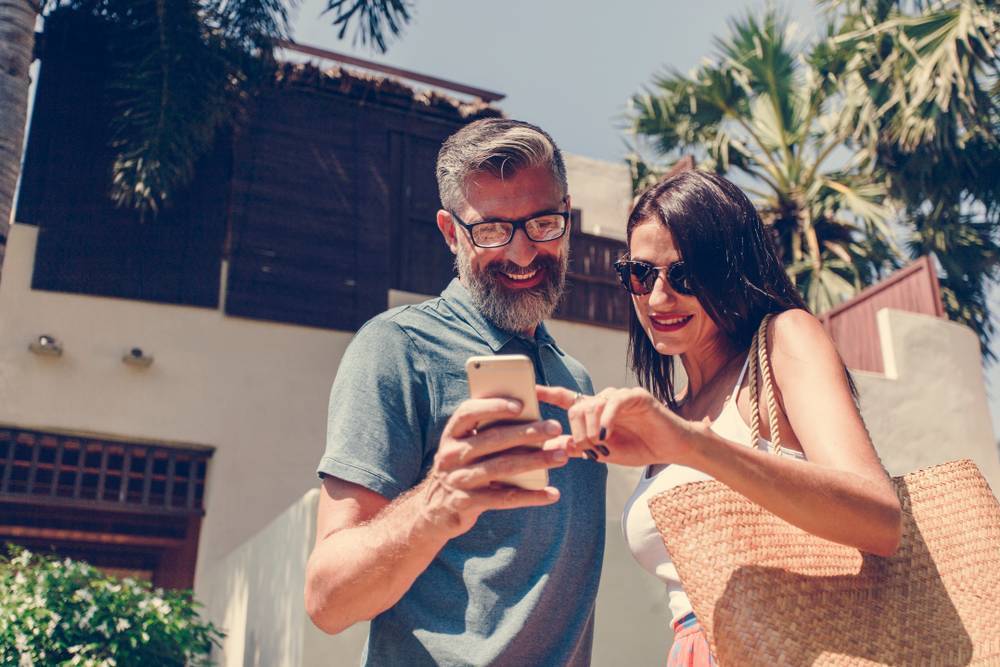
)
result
[(256, 594)]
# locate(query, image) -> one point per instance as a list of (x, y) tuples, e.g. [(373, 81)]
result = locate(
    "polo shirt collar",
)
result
[(460, 299)]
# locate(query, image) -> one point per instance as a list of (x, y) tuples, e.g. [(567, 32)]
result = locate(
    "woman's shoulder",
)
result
[(796, 325), (799, 334)]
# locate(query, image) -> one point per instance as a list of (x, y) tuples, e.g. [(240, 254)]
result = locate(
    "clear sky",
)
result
[(567, 65)]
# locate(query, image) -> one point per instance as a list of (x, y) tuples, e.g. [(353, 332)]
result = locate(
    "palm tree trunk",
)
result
[(17, 39), (812, 242), (808, 230)]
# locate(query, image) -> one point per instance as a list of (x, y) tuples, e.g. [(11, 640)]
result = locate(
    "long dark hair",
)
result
[(730, 258)]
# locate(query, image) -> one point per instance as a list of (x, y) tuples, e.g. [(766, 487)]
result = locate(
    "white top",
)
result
[(638, 527)]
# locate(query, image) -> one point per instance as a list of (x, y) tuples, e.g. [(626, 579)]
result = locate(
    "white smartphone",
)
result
[(509, 376)]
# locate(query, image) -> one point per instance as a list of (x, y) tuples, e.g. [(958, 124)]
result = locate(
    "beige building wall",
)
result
[(257, 592), (930, 406), (603, 191), (256, 391)]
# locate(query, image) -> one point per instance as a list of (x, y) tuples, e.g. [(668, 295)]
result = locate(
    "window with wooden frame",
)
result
[(132, 508)]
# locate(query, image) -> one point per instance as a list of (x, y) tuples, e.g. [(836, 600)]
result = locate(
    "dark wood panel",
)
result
[(86, 245), (41, 467), (424, 263), (296, 213), (325, 201)]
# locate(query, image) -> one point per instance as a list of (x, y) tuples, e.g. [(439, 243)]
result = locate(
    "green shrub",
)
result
[(65, 612)]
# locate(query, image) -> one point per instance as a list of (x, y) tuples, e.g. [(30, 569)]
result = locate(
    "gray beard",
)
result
[(516, 311)]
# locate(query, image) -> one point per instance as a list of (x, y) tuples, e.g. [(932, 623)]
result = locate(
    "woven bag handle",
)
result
[(761, 364)]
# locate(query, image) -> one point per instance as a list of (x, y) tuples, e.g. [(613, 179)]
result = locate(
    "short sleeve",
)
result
[(378, 412)]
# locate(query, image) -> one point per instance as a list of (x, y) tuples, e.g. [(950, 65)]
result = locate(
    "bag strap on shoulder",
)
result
[(760, 364)]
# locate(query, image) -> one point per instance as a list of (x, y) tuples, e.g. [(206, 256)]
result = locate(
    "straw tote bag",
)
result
[(768, 593)]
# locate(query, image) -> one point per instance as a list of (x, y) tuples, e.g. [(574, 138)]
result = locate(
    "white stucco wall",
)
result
[(603, 191), (931, 404), (256, 391), (257, 593)]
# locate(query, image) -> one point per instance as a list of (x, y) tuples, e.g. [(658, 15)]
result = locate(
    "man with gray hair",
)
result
[(415, 532)]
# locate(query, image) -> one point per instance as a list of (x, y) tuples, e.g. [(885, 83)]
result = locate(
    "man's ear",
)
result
[(569, 222), (447, 228)]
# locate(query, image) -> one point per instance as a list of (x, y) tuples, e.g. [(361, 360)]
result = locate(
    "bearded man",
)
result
[(405, 535)]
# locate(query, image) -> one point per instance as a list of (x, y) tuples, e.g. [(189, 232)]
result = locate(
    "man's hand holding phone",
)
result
[(465, 480)]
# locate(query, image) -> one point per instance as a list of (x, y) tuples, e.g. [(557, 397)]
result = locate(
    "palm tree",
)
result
[(180, 70), (903, 94), (923, 101), (767, 115), (17, 37)]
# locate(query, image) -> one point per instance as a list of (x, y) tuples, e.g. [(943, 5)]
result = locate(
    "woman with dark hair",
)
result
[(702, 275)]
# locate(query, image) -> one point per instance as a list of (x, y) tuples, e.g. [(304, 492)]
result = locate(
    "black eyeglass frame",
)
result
[(520, 223), (676, 275)]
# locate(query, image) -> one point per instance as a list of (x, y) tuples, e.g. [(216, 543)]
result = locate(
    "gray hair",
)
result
[(497, 146)]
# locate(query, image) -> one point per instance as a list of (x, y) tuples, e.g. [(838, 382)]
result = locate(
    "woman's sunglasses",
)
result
[(638, 277)]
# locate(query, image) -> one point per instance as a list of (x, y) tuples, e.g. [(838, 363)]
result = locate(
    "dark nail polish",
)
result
[(603, 434), (589, 453), (602, 449)]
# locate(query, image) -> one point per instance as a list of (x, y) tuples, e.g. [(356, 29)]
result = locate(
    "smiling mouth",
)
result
[(522, 279), (670, 323), (520, 276)]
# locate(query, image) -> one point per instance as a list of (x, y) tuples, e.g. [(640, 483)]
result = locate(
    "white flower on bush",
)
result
[(159, 605), (53, 622), (71, 613), (89, 614)]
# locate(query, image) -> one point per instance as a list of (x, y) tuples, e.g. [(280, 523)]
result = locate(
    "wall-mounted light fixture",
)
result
[(46, 345), (136, 357)]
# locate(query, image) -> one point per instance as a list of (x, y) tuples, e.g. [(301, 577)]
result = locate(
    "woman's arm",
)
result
[(841, 493)]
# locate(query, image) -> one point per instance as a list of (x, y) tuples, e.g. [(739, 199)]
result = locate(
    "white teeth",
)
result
[(520, 276), (675, 320)]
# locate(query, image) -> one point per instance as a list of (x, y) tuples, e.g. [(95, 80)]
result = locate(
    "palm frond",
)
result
[(763, 61), (968, 253), (826, 288), (924, 73), (375, 20), (168, 108), (251, 24), (906, 106)]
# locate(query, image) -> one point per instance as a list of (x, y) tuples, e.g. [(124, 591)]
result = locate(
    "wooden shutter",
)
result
[(424, 264), (85, 244)]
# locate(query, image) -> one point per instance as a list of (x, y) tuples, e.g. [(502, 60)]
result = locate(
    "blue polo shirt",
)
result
[(519, 588)]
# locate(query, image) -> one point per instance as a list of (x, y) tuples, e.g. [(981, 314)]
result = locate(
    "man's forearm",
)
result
[(356, 573)]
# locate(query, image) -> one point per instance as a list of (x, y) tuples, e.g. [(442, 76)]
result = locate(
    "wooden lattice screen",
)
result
[(52, 468), (119, 504)]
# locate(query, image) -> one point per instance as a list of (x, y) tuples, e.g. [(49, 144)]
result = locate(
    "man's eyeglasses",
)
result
[(639, 277), (540, 227)]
